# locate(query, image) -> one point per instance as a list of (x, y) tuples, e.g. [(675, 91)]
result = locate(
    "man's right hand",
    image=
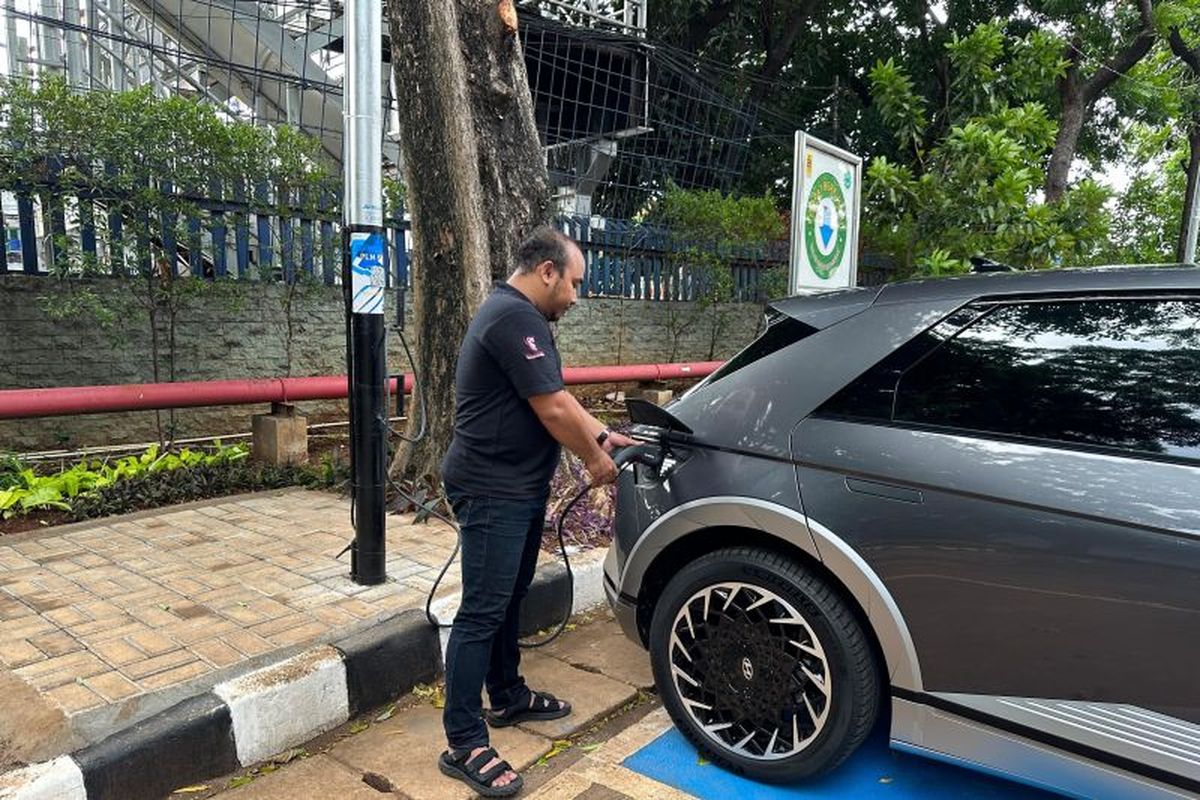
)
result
[(602, 469)]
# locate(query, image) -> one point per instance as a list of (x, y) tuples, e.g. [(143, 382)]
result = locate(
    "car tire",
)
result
[(763, 666)]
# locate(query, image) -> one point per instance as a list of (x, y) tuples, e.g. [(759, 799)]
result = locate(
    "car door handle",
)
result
[(890, 491)]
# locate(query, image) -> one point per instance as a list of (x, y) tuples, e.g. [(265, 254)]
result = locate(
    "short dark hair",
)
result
[(544, 244)]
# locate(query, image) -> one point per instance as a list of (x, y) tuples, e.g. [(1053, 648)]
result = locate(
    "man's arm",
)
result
[(595, 426), (576, 430)]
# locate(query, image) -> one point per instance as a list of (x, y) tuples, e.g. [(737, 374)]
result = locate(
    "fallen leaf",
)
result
[(164, 606), (386, 715), (590, 748), (702, 761), (436, 695), (240, 780), (202, 787), (290, 755), (378, 782), (267, 769), (359, 726)]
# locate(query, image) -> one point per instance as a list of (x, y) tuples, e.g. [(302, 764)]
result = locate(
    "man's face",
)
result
[(563, 290)]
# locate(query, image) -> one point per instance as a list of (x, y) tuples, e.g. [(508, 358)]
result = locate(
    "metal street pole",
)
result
[(363, 281), (1189, 243)]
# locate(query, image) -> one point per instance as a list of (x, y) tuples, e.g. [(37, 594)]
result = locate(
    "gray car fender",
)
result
[(808, 535)]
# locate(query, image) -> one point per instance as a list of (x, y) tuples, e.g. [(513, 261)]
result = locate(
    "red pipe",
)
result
[(68, 400)]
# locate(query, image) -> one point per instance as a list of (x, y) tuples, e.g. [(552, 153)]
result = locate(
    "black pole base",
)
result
[(369, 413)]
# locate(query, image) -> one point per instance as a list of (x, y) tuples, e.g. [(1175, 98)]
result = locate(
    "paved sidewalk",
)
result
[(593, 665), (105, 623)]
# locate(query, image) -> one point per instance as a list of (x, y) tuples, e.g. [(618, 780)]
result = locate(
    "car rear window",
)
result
[(781, 332)]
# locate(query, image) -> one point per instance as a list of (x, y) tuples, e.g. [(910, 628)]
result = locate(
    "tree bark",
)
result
[(1070, 125), (1190, 57), (1078, 96), (476, 185), (1193, 174), (779, 51), (700, 28)]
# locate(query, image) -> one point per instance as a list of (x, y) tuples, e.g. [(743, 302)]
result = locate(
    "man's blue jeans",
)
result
[(500, 540)]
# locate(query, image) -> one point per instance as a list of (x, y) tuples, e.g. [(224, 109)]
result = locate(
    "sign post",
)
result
[(363, 282), (826, 197)]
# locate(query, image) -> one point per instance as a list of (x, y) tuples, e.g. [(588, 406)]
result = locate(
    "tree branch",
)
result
[(766, 12), (699, 27), (859, 87), (1124, 60), (781, 51), (1188, 56)]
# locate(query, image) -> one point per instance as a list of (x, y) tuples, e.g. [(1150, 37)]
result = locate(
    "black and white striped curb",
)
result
[(263, 713)]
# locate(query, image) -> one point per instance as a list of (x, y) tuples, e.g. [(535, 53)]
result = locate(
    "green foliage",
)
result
[(23, 490), (394, 193), (901, 108), (973, 190), (139, 154), (134, 140), (202, 481), (713, 230), (142, 157)]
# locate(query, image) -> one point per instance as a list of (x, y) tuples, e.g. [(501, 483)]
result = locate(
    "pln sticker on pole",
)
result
[(368, 279), (826, 197)]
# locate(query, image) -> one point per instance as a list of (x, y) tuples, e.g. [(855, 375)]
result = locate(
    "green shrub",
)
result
[(23, 490)]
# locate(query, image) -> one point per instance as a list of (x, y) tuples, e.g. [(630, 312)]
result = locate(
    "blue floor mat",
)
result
[(875, 771)]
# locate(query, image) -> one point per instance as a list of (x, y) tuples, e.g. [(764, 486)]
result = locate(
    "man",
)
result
[(511, 414)]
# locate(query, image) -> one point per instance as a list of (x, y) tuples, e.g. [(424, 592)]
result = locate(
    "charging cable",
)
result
[(649, 454)]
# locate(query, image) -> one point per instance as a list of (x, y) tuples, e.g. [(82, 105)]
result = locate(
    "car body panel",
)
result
[(989, 569), (1013, 580), (944, 735), (756, 408)]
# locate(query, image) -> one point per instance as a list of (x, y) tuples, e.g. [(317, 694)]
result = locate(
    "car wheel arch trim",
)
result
[(808, 535)]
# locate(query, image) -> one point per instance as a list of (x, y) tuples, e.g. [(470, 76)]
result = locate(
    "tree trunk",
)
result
[(1189, 196), (779, 51), (476, 185), (1078, 96), (1191, 57), (1069, 128)]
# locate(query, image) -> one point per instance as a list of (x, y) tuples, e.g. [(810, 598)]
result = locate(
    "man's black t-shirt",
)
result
[(500, 447)]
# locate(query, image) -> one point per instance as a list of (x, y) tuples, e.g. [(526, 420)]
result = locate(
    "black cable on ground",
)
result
[(562, 547)]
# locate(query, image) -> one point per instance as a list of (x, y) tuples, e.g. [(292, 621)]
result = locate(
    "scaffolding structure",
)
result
[(621, 118)]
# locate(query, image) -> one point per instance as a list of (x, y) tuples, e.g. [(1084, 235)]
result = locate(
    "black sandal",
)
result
[(541, 706), (460, 765)]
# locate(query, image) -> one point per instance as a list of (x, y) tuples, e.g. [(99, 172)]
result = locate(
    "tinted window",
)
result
[(781, 331), (1115, 373), (872, 395)]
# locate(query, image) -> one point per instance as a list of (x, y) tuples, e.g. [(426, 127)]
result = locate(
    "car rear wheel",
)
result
[(762, 665)]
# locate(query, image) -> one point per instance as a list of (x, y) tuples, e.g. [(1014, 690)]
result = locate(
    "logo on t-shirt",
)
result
[(532, 350)]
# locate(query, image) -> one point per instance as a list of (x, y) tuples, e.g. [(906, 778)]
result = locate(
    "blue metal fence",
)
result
[(255, 233), (642, 261)]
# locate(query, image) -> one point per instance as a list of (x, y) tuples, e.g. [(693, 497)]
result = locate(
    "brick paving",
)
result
[(105, 613)]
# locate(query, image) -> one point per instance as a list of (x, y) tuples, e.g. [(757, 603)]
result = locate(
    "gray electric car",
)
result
[(973, 503)]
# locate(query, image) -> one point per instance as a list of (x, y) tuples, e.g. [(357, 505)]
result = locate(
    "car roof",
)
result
[(827, 308)]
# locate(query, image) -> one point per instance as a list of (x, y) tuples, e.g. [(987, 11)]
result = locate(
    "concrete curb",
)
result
[(262, 713)]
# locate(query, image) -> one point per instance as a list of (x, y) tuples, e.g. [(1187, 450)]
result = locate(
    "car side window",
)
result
[(872, 395), (1118, 373)]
